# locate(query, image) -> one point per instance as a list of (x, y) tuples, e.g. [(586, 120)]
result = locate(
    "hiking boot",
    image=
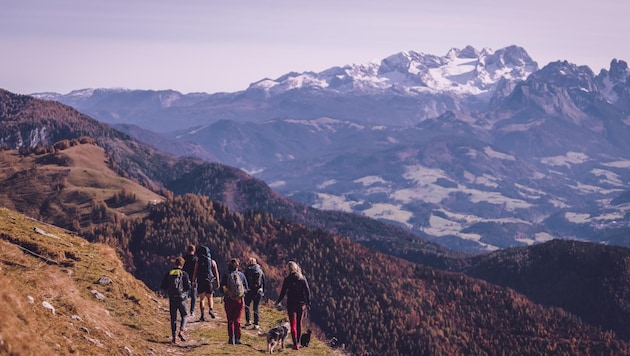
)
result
[(247, 323), (174, 340), (192, 314), (256, 327), (230, 341), (181, 336), (238, 342), (202, 318), (212, 314)]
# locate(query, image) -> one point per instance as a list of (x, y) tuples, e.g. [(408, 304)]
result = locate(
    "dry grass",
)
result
[(42, 264), (76, 178)]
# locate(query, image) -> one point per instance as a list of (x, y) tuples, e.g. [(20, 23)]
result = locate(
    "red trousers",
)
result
[(233, 311), (295, 319)]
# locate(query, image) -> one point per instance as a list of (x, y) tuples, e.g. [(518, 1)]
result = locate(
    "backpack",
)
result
[(204, 265), (176, 283), (254, 275), (235, 288)]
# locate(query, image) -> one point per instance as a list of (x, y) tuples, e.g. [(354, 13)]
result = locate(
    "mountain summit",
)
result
[(462, 71)]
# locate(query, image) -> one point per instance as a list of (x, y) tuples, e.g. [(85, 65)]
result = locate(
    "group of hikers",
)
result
[(196, 276)]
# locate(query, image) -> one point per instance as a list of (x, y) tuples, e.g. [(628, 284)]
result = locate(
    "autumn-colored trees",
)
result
[(372, 303)]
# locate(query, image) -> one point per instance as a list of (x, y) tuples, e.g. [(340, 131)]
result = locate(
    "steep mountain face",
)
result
[(615, 84)]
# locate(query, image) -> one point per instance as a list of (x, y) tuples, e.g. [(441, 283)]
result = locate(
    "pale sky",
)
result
[(223, 46)]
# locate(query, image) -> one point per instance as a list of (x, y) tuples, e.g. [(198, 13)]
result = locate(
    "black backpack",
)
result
[(176, 284), (204, 265), (254, 275)]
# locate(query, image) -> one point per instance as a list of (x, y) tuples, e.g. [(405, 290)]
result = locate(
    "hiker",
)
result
[(256, 281), (190, 263), (234, 286), (177, 283), (207, 277), (295, 287)]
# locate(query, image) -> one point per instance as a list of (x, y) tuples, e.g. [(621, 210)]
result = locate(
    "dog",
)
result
[(305, 338), (277, 336)]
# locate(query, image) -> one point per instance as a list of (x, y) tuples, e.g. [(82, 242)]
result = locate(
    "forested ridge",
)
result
[(587, 279), (373, 303)]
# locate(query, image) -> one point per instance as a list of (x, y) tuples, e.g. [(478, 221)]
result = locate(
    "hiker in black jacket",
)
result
[(177, 283), (295, 287), (256, 281), (190, 263)]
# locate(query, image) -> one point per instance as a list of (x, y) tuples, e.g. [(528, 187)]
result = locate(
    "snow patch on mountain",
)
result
[(618, 164), (333, 202), (324, 124), (389, 212), (370, 180), (570, 158)]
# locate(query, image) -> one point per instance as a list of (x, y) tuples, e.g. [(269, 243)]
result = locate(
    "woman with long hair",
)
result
[(295, 287)]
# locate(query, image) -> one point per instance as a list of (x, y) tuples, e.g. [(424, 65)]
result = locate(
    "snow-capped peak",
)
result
[(464, 71)]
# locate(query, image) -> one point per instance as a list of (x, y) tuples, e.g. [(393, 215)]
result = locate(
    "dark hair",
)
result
[(179, 261), (234, 264)]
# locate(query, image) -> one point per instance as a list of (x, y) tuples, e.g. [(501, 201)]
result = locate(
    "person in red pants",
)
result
[(295, 287), (234, 286)]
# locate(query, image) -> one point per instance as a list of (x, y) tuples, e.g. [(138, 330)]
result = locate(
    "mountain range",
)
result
[(65, 168), (473, 150)]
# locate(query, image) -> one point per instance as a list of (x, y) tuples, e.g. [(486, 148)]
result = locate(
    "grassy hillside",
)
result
[(45, 267), (75, 183)]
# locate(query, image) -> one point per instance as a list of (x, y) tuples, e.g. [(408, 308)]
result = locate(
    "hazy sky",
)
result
[(223, 46)]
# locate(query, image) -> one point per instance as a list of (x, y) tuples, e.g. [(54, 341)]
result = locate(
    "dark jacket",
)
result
[(297, 291), (189, 264), (250, 274), (177, 283)]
